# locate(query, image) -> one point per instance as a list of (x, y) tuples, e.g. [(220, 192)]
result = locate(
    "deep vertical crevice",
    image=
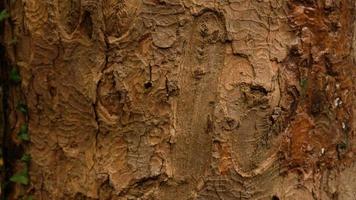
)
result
[(6, 169), (3, 120), (11, 96), (3, 106), (87, 24)]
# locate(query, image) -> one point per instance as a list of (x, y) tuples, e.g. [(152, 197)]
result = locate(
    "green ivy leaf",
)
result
[(13, 41), (3, 15), (23, 134), (30, 197), (22, 108), (20, 177), (26, 158), (303, 84), (14, 75)]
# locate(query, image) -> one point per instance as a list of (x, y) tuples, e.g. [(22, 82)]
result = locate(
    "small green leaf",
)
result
[(303, 84), (22, 108), (26, 158), (24, 137), (14, 75), (3, 15), (24, 129), (30, 197), (23, 134), (20, 177), (13, 41)]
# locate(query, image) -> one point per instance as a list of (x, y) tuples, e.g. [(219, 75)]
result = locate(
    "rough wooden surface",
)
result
[(183, 99)]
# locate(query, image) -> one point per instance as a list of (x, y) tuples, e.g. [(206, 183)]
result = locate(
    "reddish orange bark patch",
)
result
[(322, 133)]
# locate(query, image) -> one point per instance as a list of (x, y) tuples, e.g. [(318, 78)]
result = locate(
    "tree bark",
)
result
[(181, 99)]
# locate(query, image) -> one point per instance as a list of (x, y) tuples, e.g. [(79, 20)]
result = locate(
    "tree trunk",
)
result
[(179, 99)]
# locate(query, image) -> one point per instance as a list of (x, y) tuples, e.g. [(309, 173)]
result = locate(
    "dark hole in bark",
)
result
[(335, 195), (306, 2), (317, 102), (87, 24), (258, 88), (274, 197), (294, 51), (148, 85), (52, 91)]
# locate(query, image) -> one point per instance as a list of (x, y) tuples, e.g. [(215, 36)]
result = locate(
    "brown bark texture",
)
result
[(181, 99)]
